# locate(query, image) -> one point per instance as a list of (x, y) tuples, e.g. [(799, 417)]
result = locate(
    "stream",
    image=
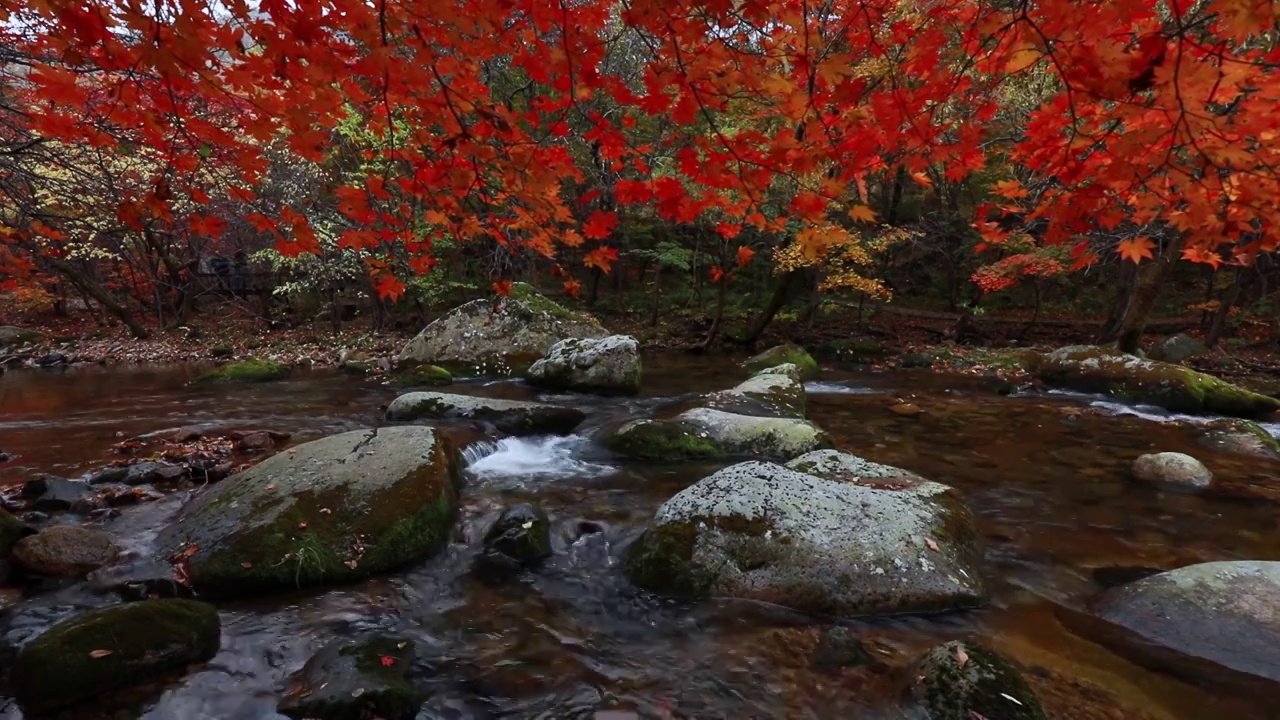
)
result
[(1046, 474)]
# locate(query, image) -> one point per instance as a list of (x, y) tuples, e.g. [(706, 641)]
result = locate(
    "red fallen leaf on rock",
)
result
[(97, 654), (388, 661), (186, 553)]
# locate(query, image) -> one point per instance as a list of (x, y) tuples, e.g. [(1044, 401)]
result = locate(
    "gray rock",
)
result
[(836, 465), (515, 417), (520, 538), (1178, 348), (964, 681), (608, 366), (705, 433), (371, 678), (65, 551), (783, 354), (1241, 437), (51, 494), (1174, 471), (772, 392), (502, 336), (14, 336), (333, 510), (763, 532), (1225, 613)]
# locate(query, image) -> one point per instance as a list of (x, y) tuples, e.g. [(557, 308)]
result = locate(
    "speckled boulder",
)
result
[(65, 551), (498, 336), (515, 417), (608, 366), (1181, 389), (764, 532), (1174, 471), (329, 511), (964, 681), (705, 433), (358, 680), (771, 392)]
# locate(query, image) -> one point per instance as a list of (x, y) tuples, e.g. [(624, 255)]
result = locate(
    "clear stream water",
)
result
[(1045, 475)]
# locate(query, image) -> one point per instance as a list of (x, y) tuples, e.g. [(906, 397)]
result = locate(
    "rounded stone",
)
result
[(65, 551), (1173, 470)]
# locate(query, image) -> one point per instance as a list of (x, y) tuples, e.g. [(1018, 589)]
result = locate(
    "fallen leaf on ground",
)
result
[(932, 545), (96, 654)]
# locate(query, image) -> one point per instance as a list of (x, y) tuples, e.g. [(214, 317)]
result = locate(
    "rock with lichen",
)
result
[(964, 680), (357, 679), (607, 366), (515, 417), (246, 371), (788, 353)]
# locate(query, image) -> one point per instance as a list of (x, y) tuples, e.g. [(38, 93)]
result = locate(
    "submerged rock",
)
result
[(515, 417), (328, 511), (1241, 437), (1172, 470), (783, 354), (608, 366), (107, 649), (424, 376), (521, 538), (772, 392), (964, 681), (246, 371), (356, 680), (1181, 389), (501, 336), (704, 433), (764, 532), (65, 551), (1225, 613)]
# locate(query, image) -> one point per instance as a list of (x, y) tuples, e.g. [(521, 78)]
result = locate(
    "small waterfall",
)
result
[(830, 388), (529, 457)]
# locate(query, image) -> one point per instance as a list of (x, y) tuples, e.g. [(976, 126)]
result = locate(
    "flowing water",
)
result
[(1044, 473)]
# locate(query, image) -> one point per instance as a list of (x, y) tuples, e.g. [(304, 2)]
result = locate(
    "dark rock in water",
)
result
[(357, 680), (108, 649), (964, 681), (1109, 577), (423, 376), (1241, 437), (11, 530), (521, 538), (515, 417), (109, 474), (333, 510), (916, 360), (139, 580), (246, 371), (88, 505), (51, 494), (256, 441), (65, 551), (51, 359), (11, 335), (839, 648), (35, 517), (789, 353), (9, 598), (148, 472), (7, 457)]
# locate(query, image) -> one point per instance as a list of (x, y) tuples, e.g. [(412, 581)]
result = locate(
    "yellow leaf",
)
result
[(1011, 189), (1023, 56), (862, 213)]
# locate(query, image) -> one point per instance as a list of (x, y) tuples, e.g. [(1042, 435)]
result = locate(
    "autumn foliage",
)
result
[(1117, 125)]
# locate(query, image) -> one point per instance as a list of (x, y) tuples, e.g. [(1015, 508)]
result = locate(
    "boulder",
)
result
[(608, 366), (964, 681), (1177, 348), (65, 551), (246, 371), (424, 376), (50, 494), (1104, 370), (13, 336), (102, 650), (502, 336), (1223, 613), (11, 530), (764, 532), (772, 392), (329, 511), (705, 433), (836, 465), (515, 417), (354, 680), (782, 354), (1172, 470), (1241, 437), (521, 538)]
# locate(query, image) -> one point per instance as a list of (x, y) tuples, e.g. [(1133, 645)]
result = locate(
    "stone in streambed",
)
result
[(521, 538), (65, 551), (424, 376), (964, 681), (108, 649), (607, 366), (704, 433), (1177, 348), (772, 392), (1241, 437), (329, 511), (515, 417), (355, 680), (11, 530), (1174, 471), (51, 494), (246, 371), (783, 354)]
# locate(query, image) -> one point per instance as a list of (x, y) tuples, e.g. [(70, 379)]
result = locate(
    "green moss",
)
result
[(782, 354), (144, 639), (661, 560), (221, 351), (356, 681), (982, 685), (11, 531), (662, 440), (246, 371), (538, 302), (424, 376)]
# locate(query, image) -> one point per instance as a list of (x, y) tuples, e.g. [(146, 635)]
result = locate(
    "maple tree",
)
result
[(540, 126)]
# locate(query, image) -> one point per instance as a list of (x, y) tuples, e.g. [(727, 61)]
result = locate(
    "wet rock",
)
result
[(839, 648), (906, 409), (52, 494), (7, 457), (9, 599), (255, 442), (1103, 370), (964, 681), (500, 336), (11, 530), (515, 417), (772, 392), (1224, 613), (333, 510), (1174, 471), (704, 433), (424, 376), (65, 551), (765, 532), (357, 368), (916, 360), (12, 335), (108, 649), (1178, 348), (246, 371), (88, 504), (783, 354), (1241, 437), (355, 680), (521, 538), (51, 359), (151, 473), (139, 580), (836, 465), (608, 366)]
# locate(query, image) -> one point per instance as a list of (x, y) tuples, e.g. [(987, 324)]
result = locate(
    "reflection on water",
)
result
[(1045, 475)]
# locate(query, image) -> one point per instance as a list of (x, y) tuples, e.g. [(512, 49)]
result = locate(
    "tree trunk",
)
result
[(1146, 291), (722, 292), (1124, 290), (1229, 298), (657, 295), (895, 201), (95, 291), (781, 289)]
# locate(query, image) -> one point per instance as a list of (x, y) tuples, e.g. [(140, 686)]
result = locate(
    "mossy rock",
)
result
[(963, 681), (424, 376), (515, 417), (762, 532), (772, 392), (11, 531), (330, 511), (246, 371), (521, 538), (782, 354), (357, 680), (356, 368), (221, 351), (103, 650), (1174, 387), (606, 366), (706, 433), (13, 335), (1241, 437), (661, 440)]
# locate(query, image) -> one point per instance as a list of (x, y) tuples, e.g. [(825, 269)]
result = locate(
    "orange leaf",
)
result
[(572, 288), (716, 274), (600, 225), (1136, 249), (744, 255), (862, 213), (387, 661), (602, 258), (502, 287)]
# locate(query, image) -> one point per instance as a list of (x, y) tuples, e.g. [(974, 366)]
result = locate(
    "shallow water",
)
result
[(1045, 475)]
